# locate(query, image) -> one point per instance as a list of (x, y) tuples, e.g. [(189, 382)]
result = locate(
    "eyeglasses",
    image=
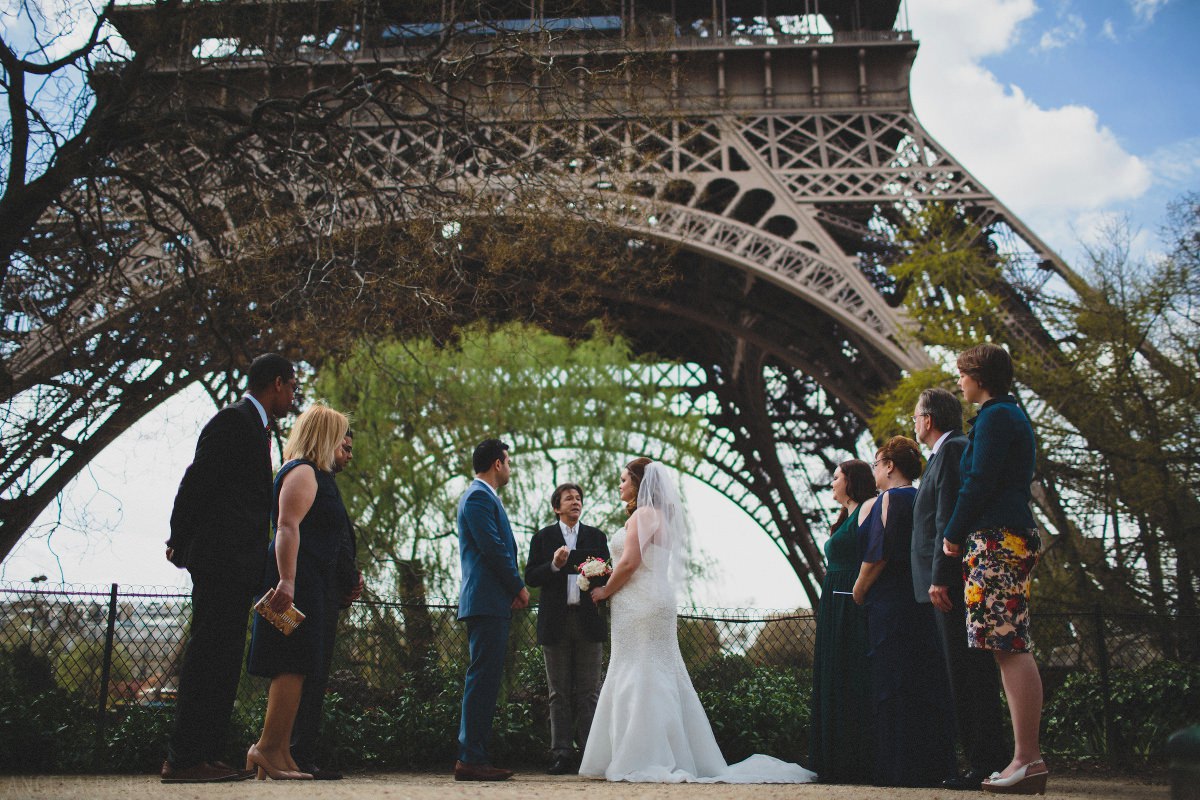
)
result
[(914, 417), (880, 461)]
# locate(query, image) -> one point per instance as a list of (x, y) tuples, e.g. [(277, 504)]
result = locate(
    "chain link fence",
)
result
[(115, 647)]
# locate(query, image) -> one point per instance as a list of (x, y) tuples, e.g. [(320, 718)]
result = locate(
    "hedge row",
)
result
[(753, 709)]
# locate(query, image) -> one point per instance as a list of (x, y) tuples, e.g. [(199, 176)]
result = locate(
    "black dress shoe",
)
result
[(197, 773), (320, 774), (563, 765), (242, 774), (970, 781)]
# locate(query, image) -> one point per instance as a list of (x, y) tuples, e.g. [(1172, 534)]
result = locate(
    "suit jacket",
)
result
[(488, 554), (221, 521), (552, 603), (932, 508)]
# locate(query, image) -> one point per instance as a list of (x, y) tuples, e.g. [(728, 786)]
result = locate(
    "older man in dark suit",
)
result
[(570, 629), (938, 579), (220, 526)]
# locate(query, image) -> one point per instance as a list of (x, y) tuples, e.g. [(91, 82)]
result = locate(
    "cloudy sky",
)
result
[(1070, 111)]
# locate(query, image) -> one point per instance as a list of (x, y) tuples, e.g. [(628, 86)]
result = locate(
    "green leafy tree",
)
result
[(79, 667), (1107, 370), (571, 410)]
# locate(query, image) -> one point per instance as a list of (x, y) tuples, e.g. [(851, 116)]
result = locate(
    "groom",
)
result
[(491, 589)]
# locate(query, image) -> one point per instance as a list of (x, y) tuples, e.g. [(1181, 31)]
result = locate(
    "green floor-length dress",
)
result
[(842, 738)]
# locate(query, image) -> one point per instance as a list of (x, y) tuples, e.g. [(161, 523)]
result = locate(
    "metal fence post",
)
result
[(106, 670), (1105, 684)]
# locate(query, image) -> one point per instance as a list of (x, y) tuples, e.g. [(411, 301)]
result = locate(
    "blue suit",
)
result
[(490, 583)]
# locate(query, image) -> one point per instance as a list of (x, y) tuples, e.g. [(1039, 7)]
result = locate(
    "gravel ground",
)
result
[(534, 786)]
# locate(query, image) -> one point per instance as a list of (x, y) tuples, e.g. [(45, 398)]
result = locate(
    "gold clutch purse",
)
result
[(286, 621)]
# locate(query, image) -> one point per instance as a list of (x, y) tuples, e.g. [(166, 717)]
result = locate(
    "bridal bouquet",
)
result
[(593, 571)]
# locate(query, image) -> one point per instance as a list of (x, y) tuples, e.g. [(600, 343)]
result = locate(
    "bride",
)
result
[(649, 725)]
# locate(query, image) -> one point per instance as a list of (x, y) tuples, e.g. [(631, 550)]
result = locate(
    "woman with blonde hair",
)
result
[(309, 519)]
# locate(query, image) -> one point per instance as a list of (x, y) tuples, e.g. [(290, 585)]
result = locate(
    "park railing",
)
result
[(116, 648)]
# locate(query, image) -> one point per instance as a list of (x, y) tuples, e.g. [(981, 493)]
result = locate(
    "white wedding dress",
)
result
[(649, 725)]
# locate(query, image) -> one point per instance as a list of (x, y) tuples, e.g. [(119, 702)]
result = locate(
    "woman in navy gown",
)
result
[(913, 717)]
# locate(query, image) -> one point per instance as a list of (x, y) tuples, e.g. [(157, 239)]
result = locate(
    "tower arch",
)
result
[(775, 301)]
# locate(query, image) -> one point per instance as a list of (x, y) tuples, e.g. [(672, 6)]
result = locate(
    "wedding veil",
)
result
[(663, 528)]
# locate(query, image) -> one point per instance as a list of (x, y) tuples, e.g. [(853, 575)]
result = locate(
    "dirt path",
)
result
[(526, 786)]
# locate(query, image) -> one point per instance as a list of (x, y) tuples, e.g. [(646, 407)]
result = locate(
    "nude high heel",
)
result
[(254, 758), (1020, 782)]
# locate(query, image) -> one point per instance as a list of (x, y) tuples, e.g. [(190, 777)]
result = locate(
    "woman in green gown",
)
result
[(842, 737)]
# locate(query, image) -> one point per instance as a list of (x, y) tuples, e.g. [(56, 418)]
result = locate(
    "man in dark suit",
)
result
[(220, 527), (938, 578), (343, 590), (570, 629), (491, 589)]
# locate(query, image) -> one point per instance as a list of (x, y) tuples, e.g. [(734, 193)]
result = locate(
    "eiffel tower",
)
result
[(777, 157)]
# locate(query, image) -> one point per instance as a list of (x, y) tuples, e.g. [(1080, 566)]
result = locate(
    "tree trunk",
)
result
[(418, 623)]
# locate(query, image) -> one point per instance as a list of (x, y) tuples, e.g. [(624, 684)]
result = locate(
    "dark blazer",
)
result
[(221, 521), (997, 468), (552, 603), (488, 554), (931, 511)]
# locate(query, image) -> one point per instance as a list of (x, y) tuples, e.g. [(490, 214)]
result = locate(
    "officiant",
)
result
[(570, 629)]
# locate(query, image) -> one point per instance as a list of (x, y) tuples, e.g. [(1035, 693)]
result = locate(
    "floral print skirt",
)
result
[(996, 570)]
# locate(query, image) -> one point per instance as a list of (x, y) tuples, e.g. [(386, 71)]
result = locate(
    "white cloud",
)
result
[(1070, 30), (1047, 164), (976, 30), (1145, 10), (1109, 31)]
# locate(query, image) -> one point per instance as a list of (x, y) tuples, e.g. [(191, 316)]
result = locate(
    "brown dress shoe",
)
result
[(480, 772), (200, 773)]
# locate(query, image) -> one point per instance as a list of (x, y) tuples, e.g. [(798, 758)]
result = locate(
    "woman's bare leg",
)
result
[(1023, 688), (283, 700)]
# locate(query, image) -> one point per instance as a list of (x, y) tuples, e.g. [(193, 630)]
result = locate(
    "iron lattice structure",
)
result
[(775, 156)]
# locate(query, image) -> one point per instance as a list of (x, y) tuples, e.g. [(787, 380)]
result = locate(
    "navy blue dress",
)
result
[(323, 527), (913, 716)]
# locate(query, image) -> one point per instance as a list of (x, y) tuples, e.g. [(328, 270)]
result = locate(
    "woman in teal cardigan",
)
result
[(993, 522)]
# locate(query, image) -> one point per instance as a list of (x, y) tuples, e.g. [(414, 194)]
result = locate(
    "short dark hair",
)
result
[(989, 365), (943, 407), (556, 498), (904, 455), (860, 486), (487, 452), (266, 368)]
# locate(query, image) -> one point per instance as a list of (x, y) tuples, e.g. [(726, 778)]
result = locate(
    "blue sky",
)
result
[(1136, 72), (1070, 111)]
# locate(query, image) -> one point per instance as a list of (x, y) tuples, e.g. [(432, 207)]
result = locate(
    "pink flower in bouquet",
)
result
[(593, 571)]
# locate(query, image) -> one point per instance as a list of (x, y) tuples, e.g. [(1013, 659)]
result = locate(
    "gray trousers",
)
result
[(573, 673)]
